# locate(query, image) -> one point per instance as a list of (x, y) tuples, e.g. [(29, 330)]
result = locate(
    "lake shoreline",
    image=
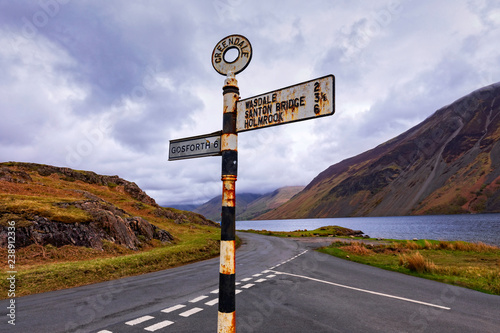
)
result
[(470, 228)]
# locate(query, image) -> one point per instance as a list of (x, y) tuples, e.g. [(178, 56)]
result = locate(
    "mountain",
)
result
[(448, 164), (187, 207), (249, 205), (61, 206), (268, 202), (212, 209)]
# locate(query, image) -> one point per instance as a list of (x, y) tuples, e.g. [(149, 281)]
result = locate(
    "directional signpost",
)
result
[(196, 146), (303, 101), (311, 99)]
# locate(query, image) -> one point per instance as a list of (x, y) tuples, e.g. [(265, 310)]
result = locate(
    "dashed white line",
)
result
[(365, 291), (158, 326), (212, 302), (284, 262), (173, 308), (105, 331), (139, 320), (197, 299), (190, 312)]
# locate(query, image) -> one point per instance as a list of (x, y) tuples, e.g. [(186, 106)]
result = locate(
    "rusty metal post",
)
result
[(229, 147)]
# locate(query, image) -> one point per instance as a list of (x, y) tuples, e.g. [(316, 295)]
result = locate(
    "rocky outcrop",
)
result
[(130, 232), (42, 199), (14, 176), (108, 223)]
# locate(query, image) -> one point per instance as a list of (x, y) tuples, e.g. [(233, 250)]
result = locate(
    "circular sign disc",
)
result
[(224, 66)]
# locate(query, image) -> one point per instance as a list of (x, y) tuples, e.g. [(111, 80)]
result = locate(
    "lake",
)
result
[(471, 228)]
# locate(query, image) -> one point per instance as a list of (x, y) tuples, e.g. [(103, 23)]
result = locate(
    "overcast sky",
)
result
[(104, 85)]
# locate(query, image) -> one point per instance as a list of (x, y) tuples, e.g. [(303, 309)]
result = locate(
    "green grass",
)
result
[(471, 265), (55, 196), (24, 205), (320, 232), (38, 278)]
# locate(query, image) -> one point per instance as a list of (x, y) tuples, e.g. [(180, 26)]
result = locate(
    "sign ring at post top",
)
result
[(238, 42)]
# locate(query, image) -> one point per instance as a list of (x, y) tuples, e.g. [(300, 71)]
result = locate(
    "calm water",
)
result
[(471, 228)]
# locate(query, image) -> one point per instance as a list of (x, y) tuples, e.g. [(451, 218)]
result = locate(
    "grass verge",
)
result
[(46, 268), (471, 265)]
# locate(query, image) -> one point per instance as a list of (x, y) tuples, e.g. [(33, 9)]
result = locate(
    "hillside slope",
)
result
[(249, 205), (449, 163), (61, 206), (269, 201)]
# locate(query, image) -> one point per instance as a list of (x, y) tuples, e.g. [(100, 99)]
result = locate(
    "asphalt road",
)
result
[(283, 286)]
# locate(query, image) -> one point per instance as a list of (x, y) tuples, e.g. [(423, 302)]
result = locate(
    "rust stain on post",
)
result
[(228, 191), (227, 255), (230, 102), (227, 322), (229, 142)]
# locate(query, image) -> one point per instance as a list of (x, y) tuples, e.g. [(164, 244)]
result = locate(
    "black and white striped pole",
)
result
[(307, 100), (229, 146), (229, 149)]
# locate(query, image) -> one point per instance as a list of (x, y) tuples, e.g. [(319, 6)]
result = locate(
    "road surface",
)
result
[(283, 285)]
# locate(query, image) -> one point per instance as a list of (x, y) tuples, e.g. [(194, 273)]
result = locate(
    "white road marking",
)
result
[(365, 291), (161, 324), (212, 302), (260, 280), (246, 286), (197, 299), (255, 275), (139, 320), (105, 331), (270, 276), (284, 262), (237, 291), (266, 271), (216, 291), (173, 308), (190, 312), (246, 279), (237, 283)]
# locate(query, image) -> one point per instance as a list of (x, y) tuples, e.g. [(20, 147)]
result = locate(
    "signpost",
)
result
[(303, 101), (196, 146), (311, 99)]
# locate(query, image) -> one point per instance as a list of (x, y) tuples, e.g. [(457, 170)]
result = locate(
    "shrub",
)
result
[(412, 245), (417, 263), (356, 248), (476, 247), (427, 245)]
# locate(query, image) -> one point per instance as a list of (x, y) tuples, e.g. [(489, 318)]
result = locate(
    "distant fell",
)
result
[(448, 164), (249, 205)]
